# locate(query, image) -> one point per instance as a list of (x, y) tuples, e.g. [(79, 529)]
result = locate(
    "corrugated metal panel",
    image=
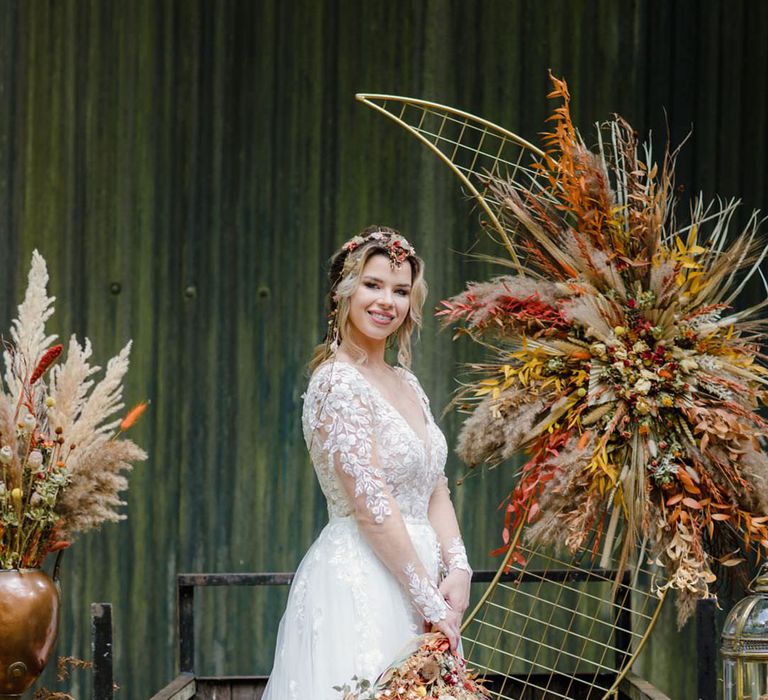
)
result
[(186, 167)]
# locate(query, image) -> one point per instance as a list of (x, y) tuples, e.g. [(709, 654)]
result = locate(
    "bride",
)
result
[(390, 561)]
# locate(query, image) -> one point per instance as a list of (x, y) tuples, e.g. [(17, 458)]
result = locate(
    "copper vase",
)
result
[(29, 623)]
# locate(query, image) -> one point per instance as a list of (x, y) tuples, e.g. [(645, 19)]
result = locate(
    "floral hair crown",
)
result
[(398, 248)]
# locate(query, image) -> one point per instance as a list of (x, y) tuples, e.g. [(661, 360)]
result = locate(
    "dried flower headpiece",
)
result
[(398, 248)]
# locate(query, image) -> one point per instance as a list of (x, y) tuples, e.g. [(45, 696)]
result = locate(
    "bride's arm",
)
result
[(455, 586), (344, 424)]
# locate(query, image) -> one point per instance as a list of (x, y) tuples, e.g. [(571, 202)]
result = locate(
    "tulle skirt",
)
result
[(346, 614)]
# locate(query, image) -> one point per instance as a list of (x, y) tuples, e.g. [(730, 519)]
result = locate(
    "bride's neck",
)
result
[(373, 351)]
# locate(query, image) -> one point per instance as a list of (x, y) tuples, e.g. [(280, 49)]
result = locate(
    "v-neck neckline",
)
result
[(391, 407)]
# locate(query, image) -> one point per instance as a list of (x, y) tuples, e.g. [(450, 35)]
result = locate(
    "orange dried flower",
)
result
[(133, 415)]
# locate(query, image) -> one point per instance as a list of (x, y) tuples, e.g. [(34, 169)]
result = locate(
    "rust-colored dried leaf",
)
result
[(675, 499)]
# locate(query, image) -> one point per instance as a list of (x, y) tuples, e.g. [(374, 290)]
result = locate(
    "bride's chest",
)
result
[(404, 456)]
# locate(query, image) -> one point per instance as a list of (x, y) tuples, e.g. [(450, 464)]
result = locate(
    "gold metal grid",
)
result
[(473, 148), (560, 627), (574, 635)]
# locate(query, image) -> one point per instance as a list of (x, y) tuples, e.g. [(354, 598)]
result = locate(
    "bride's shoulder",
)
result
[(335, 374)]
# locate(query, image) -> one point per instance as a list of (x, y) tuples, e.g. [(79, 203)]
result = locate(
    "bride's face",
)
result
[(382, 300)]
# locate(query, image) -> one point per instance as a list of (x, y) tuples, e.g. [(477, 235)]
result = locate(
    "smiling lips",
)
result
[(381, 318)]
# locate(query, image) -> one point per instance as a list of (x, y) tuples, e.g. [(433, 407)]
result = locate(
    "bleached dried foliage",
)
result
[(92, 497), (62, 461), (28, 337), (70, 382)]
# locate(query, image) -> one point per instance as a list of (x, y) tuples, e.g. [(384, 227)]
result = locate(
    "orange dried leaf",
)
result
[(692, 503), (720, 516), (675, 499), (56, 546)]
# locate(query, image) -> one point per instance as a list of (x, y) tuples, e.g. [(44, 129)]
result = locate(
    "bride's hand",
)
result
[(449, 626), (455, 590)]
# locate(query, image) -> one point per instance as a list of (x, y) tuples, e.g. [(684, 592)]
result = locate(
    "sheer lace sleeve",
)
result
[(345, 423), (443, 519)]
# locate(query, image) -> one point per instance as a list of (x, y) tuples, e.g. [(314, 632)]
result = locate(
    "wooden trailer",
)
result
[(190, 686)]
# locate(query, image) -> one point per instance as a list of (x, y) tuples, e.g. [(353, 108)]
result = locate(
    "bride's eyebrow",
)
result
[(371, 278)]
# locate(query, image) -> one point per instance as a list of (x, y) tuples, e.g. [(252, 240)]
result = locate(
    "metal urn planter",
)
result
[(29, 624)]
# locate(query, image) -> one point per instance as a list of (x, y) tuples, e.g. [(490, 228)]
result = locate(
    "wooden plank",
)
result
[(218, 689), (707, 638), (633, 687), (186, 628), (235, 579), (183, 687), (101, 651)]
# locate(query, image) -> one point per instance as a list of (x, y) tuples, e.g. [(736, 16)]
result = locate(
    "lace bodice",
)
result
[(373, 466), (344, 413)]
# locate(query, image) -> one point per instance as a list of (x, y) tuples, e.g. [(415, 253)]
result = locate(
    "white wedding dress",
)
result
[(369, 581)]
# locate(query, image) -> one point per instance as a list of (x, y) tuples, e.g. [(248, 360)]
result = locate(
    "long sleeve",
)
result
[(443, 519), (345, 425)]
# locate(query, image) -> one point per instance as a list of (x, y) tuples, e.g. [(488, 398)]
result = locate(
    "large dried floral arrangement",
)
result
[(61, 457), (426, 670), (621, 363)]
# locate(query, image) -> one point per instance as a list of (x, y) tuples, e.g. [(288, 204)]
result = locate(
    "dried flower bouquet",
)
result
[(61, 457), (427, 670), (622, 365)]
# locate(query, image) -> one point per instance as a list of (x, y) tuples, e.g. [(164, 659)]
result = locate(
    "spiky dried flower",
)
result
[(645, 376)]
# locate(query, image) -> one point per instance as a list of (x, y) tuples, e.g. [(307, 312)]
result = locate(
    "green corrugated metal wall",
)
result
[(186, 167)]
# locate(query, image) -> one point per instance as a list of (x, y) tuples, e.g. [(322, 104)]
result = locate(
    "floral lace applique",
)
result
[(340, 403), (345, 417), (426, 597), (299, 591), (458, 556)]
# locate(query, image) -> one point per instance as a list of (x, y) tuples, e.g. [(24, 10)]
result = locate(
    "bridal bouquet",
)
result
[(61, 455), (427, 670)]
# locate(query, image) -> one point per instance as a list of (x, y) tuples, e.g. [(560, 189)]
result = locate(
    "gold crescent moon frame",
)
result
[(553, 624)]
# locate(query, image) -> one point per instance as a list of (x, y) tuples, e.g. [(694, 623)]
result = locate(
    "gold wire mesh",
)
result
[(556, 627), (473, 148), (560, 626)]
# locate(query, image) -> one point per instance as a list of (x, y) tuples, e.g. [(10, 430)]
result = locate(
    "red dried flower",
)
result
[(48, 358)]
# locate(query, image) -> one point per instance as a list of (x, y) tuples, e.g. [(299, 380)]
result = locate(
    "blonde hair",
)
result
[(345, 274)]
